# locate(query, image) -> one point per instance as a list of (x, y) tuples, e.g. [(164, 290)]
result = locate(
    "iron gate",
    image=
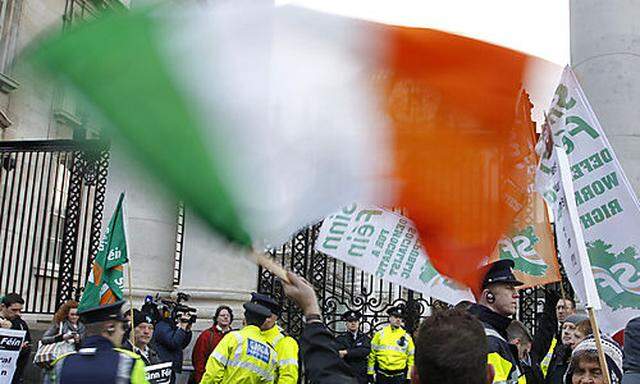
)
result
[(51, 201), (341, 287)]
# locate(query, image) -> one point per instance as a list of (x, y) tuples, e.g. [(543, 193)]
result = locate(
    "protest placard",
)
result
[(159, 373), (10, 343)]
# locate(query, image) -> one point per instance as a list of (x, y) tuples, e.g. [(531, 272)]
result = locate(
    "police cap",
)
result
[(102, 313), (351, 316), (266, 301), (397, 311), (257, 310), (500, 272)]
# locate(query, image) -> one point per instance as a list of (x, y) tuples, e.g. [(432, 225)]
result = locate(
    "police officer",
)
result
[(497, 301), (285, 346), (99, 359), (354, 346), (392, 349), (243, 356)]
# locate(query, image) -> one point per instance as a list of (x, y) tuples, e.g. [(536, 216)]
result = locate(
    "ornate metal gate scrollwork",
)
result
[(339, 287)]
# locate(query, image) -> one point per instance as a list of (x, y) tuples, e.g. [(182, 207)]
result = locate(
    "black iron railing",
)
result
[(51, 203)]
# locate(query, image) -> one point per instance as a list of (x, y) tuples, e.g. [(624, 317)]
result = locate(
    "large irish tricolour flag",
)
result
[(265, 119)]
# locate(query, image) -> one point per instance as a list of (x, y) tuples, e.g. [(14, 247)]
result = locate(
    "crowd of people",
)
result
[(470, 343)]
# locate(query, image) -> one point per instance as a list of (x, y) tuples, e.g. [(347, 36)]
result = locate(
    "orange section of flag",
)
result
[(453, 104), (529, 241)]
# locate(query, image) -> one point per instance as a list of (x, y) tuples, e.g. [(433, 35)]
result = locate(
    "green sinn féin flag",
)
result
[(105, 283)]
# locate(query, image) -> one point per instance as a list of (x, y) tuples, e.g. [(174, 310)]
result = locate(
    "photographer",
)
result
[(173, 334)]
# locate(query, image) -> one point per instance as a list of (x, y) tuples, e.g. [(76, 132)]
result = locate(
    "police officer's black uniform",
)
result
[(98, 361), (502, 355), (357, 345)]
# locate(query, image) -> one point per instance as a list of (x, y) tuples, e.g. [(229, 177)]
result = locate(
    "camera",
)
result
[(167, 308)]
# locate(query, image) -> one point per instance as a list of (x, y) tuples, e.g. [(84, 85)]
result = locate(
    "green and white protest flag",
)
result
[(607, 209), (106, 279), (386, 245)]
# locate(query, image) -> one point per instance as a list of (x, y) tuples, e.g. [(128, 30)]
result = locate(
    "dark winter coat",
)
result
[(170, 341), (358, 349)]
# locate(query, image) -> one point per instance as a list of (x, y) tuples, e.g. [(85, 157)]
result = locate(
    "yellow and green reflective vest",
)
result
[(391, 350), (242, 356), (544, 365), (500, 357), (287, 349)]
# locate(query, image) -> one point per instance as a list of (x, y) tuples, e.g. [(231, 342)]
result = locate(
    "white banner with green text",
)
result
[(386, 245), (607, 208)]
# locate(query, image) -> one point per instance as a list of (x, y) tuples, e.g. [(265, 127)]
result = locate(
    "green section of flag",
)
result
[(116, 63), (106, 280)]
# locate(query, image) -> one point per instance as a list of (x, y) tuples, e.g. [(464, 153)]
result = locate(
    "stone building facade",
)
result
[(170, 249)]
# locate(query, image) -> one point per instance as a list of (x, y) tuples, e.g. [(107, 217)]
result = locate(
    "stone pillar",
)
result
[(605, 55), (151, 225), (214, 272)]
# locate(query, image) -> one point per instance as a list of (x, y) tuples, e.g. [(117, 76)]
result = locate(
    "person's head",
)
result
[(463, 305), (142, 329), (105, 321), (520, 336), (270, 303), (499, 288), (396, 316), (67, 311), (451, 347), (223, 316), (569, 326), (581, 332), (257, 315), (352, 319), (584, 367), (11, 306), (565, 307), (113, 330)]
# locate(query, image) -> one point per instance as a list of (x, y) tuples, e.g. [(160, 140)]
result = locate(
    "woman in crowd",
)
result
[(585, 365), (562, 353), (582, 331), (209, 339), (66, 326)]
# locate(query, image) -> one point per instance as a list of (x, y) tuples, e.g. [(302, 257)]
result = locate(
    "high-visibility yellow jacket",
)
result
[(287, 349), (544, 365), (501, 357), (391, 350), (243, 356)]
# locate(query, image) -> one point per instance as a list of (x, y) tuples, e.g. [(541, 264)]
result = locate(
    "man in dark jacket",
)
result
[(496, 302), (354, 346), (631, 361), (520, 336), (10, 311), (142, 335), (170, 337), (322, 362), (549, 328)]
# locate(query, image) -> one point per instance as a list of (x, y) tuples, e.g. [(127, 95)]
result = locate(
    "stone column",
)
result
[(151, 225), (214, 272), (605, 54)]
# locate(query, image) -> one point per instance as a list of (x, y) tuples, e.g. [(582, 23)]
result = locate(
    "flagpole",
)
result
[(601, 355), (123, 208), (271, 265), (131, 334)]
